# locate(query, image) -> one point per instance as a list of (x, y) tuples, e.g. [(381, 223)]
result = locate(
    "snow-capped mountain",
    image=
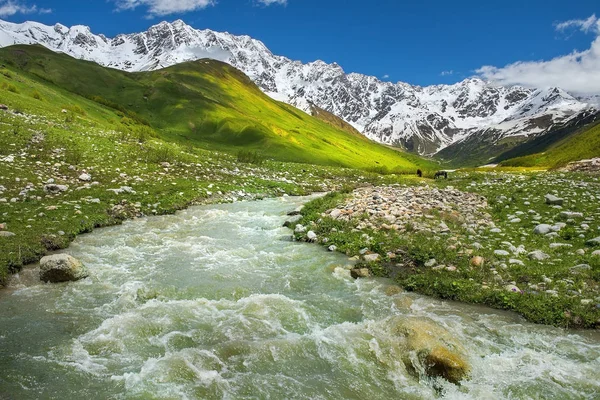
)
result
[(421, 119)]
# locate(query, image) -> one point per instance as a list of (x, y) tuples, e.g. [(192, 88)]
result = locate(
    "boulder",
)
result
[(438, 353), (360, 273), (61, 268), (554, 200), (6, 234), (542, 229), (54, 188), (85, 177), (311, 236)]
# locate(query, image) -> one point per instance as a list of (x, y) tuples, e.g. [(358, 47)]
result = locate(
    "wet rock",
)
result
[(438, 353), (333, 247), (393, 290), (360, 273), (403, 302), (61, 268)]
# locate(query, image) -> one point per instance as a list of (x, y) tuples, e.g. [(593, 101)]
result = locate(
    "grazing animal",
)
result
[(419, 173), (441, 174)]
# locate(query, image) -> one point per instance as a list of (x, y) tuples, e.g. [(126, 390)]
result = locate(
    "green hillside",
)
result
[(580, 145), (210, 104)]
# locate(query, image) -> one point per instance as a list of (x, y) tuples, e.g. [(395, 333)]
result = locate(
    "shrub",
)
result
[(160, 154), (250, 157), (36, 95), (12, 88), (74, 156)]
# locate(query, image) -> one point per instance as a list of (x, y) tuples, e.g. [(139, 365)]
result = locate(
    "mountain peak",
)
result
[(422, 119)]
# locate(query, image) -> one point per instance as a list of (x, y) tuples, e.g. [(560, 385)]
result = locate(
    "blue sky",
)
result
[(420, 42)]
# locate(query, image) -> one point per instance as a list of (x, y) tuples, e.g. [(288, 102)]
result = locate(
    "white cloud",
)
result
[(585, 25), (270, 2), (578, 72), (447, 73), (386, 76), (164, 7), (12, 7)]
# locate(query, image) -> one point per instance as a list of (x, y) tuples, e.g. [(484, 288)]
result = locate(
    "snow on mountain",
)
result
[(421, 119)]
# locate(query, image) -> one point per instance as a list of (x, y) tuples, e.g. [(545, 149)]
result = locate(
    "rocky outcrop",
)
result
[(591, 165), (421, 119), (61, 268)]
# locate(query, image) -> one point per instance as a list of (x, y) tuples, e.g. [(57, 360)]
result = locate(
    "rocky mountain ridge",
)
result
[(424, 120)]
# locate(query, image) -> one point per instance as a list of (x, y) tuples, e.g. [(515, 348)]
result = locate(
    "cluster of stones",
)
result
[(417, 208), (591, 165)]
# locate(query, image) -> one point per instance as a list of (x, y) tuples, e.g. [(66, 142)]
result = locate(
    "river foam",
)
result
[(214, 302)]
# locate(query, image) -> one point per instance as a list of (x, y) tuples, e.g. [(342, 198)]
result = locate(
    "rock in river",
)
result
[(61, 268), (438, 353), (360, 273)]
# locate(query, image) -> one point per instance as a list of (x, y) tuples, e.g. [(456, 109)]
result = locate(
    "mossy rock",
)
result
[(438, 353)]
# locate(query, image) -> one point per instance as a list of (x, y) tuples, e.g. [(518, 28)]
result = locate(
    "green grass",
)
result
[(583, 144), (57, 135), (210, 104), (509, 195)]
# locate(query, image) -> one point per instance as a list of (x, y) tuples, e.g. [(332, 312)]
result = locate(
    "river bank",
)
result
[(528, 245), (217, 302)]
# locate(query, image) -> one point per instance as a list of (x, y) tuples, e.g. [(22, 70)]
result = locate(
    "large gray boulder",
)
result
[(554, 200), (61, 268)]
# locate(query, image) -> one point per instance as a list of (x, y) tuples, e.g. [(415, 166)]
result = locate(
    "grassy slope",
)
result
[(39, 142), (212, 104), (580, 145)]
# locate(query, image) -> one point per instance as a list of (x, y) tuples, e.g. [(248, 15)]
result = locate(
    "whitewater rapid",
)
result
[(217, 302)]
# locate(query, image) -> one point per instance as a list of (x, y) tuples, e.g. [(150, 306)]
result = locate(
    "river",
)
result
[(216, 302)]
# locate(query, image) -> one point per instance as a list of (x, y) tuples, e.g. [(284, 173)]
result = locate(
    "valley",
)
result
[(184, 214)]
